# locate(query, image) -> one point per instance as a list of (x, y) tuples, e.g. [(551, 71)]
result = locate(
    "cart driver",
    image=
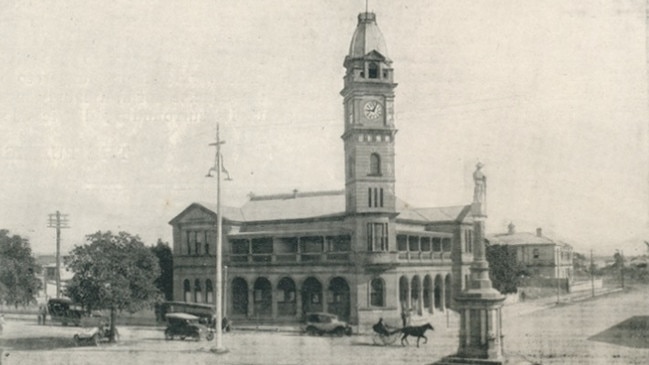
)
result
[(380, 328)]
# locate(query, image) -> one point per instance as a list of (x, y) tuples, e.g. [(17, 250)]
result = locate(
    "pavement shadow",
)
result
[(37, 343), (371, 344), (632, 332)]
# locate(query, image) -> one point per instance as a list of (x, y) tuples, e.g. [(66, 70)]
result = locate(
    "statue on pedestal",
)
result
[(480, 190)]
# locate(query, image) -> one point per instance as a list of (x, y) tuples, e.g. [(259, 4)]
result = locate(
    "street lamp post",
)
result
[(219, 246)]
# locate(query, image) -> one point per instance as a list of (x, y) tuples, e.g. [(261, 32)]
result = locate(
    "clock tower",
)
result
[(369, 121), (369, 134)]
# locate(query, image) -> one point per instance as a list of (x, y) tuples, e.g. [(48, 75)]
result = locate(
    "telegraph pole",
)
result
[(620, 262), (218, 167), (622, 267), (58, 221), (592, 274)]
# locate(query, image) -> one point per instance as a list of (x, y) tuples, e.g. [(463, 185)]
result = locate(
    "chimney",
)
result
[(511, 228), (539, 232)]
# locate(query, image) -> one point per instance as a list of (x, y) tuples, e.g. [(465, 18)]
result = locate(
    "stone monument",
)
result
[(480, 305)]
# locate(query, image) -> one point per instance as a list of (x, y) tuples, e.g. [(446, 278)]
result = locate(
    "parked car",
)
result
[(64, 310), (94, 335), (185, 325), (321, 323), (205, 313)]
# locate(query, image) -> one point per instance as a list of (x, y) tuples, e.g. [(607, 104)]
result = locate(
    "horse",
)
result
[(415, 331)]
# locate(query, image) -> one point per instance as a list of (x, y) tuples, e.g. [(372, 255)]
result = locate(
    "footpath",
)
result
[(449, 320), (533, 305), (441, 320)]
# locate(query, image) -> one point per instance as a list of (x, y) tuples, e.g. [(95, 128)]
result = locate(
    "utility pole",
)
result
[(592, 274), (622, 267), (558, 276), (225, 290), (58, 221), (218, 167), (620, 261)]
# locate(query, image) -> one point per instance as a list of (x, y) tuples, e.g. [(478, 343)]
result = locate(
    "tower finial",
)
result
[(366, 6)]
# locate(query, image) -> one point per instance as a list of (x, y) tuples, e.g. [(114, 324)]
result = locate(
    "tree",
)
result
[(114, 272), (504, 270), (18, 268), (165, 259), (581, 264)]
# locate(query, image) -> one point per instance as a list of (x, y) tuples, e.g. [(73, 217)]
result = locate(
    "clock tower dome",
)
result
[(369, 122)]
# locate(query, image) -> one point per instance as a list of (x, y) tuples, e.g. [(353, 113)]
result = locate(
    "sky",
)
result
[(108, 109)]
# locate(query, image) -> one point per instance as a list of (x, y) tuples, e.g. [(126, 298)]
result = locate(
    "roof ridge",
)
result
[(295, 194)]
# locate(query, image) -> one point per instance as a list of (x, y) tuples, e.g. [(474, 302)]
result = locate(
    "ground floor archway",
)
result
[(311, 295), (263, 298), (239, 297), (287, 301), (340, 300)]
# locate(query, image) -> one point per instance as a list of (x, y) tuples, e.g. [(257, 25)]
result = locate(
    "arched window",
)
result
[(209, 291), (198, 295), (187, 290), (373, 70), (376, 293), (375, 164)]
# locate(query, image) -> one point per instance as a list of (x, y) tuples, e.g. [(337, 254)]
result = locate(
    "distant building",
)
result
[(360, 253), (543, 256), (48, 276)]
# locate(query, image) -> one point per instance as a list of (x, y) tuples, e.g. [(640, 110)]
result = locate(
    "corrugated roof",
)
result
[(437, 214), (522, 238), (321, 204), (294, 206)]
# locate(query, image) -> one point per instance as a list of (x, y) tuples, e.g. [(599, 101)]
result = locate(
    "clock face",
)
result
[(372, 110)]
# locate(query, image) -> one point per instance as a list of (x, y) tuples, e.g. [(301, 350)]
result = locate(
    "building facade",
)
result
[(360, 253), (543, 256)]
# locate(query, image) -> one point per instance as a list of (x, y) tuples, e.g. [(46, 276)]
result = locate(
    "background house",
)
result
[(543, 256), (48, 276)]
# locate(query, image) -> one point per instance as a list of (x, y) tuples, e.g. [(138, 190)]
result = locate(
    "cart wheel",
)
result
[(209, 336), (376, 339), (311, 331), (182, 338), (168, 335), (340, 332), (389, 340)]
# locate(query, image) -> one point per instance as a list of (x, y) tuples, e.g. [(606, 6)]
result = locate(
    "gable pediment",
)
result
[(195, 213), (375, 56)]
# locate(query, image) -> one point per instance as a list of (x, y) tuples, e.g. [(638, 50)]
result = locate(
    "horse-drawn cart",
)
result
[(383, 334)]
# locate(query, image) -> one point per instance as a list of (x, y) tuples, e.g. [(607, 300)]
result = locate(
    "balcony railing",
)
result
[(380, 258), (369, 258), (417, 256), (281, 258)]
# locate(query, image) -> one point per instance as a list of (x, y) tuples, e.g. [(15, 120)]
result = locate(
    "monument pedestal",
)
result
[(480, 308), (481, 338), (480, 305)]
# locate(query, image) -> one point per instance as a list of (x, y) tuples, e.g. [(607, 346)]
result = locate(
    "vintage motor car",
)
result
[(321, 323), (185, 325), (94, 335)]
